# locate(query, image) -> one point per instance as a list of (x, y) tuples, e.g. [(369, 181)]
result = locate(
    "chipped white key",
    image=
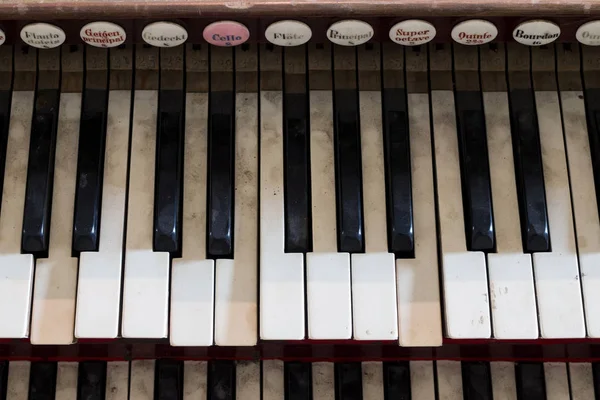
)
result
[(236, 309), (560, 305), (16, 269), (504, 385), (449, 379), (323, 381), (581, 381), (557, 381), (66, 380), (417, 280), (328, 296), (195, 378), (193, 276), (146, 277), (585, 209), (374, 304), (141, 386), (514, 313), (53, 310), (272, 380), (372, 380), (465, 285), (422, 380), (247, 377), (117, 380), (18, 380), (281, 274), (99, 283)]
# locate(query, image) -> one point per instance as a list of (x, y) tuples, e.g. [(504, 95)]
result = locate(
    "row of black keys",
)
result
[(477, 197), (221, 380)]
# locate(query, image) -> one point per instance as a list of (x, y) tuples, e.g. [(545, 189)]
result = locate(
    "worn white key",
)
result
[(192, 275), (18, 380), (422, 380), (247, 378), (557, 381), (514, 313), (328, 295), (585, 209), (195, 378), (465, 285), (503, 380), (272, 380), (560, 306), (100, 273), (449, 375), (16, 269), (146, 278), (372, 380), (54, 293), (581, 381), (323, 381), (66, 380), (281, 274), (117, 380), (373, 273), (141, 385), (236, 309), (417, 279)]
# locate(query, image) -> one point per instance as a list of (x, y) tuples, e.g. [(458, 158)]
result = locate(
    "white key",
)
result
[(556, 275), (247, 378), (503, 380), (272, 380), (281, 274), (585, 207), (141, 385), (449, 374), (195, 380), (422, 380), (465, 285), (18, 380), (557, 381), (117, 380), (54, 292), (581, 381), (323, 381), (236, 310), (100, 273), (373, 273), (192, 275), (66, 380), (16, 269), (417, 280), (328, 296), (514, 313), (146, 279), (372, 380)]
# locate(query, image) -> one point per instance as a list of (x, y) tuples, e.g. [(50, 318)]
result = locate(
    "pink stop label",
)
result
[(226, 33)]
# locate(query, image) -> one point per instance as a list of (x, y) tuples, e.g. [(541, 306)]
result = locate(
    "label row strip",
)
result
[(412, 32)]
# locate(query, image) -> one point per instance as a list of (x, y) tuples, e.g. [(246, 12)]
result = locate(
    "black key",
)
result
[(396, 380), (168, 380), (221, 164), (221, 380), (40, 173), (3, 379), (592, 108), (298, 230), (530, 381), (42, 381), (475, 171), (5, 104), (529, 171), (398, 173), (477, 381), (91, 381), (90, 170), (596, 379), (348, 381), (169, 172), (348, 172), (297, 381)]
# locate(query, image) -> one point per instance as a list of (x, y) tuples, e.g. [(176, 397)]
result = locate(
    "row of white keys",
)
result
[(585, 209), (512, 292), (560, 305), (100, 273), (465, 285), (16, 269), (54, 294)]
